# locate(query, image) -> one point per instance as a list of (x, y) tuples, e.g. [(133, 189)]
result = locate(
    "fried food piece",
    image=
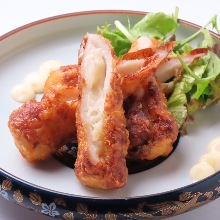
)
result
[(172, 66), (102, 137), (41, 128), (145, 62), (152, 128), (144, 42)]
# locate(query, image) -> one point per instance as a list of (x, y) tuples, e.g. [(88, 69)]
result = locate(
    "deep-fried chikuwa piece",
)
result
[(41, 128), (102, 136), (152, 128), (135, 67), (172, 67), (144, 42)]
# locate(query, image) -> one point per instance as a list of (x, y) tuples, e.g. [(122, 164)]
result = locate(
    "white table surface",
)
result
[(17, 13)]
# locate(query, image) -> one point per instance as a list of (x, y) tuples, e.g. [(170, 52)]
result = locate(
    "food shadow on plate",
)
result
[(48, 166), (67, 155)]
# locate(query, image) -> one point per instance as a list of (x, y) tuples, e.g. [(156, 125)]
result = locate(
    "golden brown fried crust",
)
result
[(110, 171), (152, 128), (63, 83), (41, 128), (153, 58), (144, 42)]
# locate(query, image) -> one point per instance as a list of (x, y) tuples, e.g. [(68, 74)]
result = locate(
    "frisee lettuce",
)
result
[(182, 42), (200, 83), (196, 91), (120, 43), (153, 25)]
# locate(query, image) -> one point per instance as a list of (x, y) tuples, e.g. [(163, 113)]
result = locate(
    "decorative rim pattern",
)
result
[(69, 207)]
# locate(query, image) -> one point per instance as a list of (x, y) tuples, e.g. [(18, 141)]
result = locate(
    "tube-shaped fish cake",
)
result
[(152, 128), (40, 128), (102, 136)]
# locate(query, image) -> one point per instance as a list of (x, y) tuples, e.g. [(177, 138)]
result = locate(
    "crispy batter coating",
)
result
[(102, 137), (144, 42), (152, 128), (172, 66), (41, 128), (151, 59)]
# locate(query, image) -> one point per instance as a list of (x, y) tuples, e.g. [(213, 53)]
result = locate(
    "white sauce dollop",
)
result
[(211, 158), (34, 82), (209, 163), (214, 145), (201, 171), (22, 93), (48, 66)]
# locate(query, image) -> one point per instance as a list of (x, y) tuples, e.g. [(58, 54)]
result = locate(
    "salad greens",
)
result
[(156, 25), (199, 85), (192, 93), (182, 42)]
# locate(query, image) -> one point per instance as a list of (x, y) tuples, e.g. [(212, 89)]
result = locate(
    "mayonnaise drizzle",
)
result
[(34, 82), (209, 163)]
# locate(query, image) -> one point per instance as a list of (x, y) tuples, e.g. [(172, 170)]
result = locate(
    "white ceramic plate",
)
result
[(23, 50)]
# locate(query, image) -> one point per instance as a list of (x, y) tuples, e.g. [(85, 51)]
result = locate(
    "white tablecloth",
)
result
[(17, 13)]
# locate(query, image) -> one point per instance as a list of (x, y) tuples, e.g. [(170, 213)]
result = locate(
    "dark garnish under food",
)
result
[(67, 156)]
